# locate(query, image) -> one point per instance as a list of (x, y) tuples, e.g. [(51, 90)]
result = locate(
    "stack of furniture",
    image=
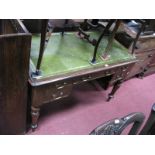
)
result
[(42, 64), (66, 61), (143, 48)]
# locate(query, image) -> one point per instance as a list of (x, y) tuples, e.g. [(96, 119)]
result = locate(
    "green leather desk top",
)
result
[(70, 53)]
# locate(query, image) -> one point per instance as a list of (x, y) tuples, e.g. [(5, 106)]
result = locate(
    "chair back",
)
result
[(116, 126)]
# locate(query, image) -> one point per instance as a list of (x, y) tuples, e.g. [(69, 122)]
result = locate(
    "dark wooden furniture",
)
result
[(66, 62), (117, 126), (46, 90), (15, 43), (146, 60), (144, 47), (96, 42)]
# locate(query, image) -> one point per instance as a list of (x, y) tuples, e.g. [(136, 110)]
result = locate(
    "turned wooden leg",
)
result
[(35, 115), (141, 75), (115, 88)]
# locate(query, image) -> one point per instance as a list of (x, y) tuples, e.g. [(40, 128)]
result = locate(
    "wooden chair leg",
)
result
[(35, 112), (42, 44)]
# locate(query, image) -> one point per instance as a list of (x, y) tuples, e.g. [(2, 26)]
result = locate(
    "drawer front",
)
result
[(117, 73), (151, 70), (54, 91), (144, 60), (92, 76), (122, 73), (152, 62), (48, 93)]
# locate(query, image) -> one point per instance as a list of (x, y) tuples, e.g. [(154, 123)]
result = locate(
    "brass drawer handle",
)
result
[(107, 73), (84, 80), (76, 82), (57, 98), (61, 93), (127, 73), (60, 87)]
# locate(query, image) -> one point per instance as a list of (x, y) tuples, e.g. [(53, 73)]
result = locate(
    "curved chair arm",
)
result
[(116, 126)]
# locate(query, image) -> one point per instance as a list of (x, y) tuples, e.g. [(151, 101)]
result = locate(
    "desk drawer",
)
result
[(48, 93), (151, 70), (92, 76), (144, 60)]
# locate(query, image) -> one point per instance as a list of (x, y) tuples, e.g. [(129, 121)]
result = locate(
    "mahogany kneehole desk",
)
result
[(66, 62)]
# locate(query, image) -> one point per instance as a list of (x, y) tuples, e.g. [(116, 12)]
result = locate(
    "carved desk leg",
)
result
[(115, 88), (141, 75), (35, 115)]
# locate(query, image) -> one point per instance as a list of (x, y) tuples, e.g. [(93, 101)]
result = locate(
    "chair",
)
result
[(105, 29), (149, 127), (46, 28), (116, 126), (133, 31)]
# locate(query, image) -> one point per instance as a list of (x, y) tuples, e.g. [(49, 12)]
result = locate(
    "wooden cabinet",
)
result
[(145, 54), (144, 49), (15, 44), (151, 66), (145, 64)]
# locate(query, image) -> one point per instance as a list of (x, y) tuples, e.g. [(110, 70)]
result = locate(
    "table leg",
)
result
[(35, 112), (141, 75), (115, 88)]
